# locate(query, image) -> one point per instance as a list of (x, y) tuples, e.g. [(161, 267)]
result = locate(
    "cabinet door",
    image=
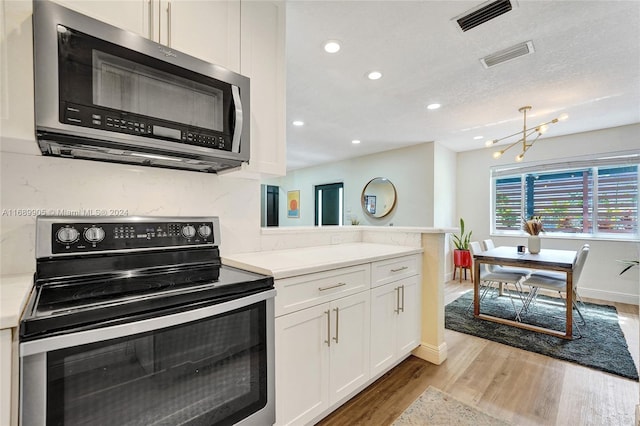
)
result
[(128, 15), (209, 30), (350, 330), (5, 376), (302, 365), (262, 60), (384, 304), (408, 320)]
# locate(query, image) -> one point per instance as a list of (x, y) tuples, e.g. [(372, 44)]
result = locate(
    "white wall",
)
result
[(600, 277), (411, 170), (31, 183)]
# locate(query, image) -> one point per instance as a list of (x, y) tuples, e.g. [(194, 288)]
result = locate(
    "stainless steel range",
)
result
[(133, 320)]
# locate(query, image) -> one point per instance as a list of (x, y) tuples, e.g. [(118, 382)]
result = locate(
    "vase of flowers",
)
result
[(533, 227)]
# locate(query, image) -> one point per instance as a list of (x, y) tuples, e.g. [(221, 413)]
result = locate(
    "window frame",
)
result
[(592, 163)]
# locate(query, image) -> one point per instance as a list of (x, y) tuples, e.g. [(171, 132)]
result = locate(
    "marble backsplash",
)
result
[(34, 184)]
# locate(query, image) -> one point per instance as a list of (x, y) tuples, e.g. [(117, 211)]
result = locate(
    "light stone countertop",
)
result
[(14, 292), (300, 261)]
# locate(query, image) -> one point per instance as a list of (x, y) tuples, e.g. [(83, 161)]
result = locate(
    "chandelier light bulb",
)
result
[(498, 154), (490, 142), (563, 117), (543, 129), (520, 157)]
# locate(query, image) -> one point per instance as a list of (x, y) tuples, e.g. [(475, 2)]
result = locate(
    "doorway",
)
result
[(329, 204), (270, 206)]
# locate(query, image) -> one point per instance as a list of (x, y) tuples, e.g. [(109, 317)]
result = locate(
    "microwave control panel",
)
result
[(105, 119)]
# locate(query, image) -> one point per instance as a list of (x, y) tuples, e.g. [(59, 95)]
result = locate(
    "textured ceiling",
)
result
[(586, 63)]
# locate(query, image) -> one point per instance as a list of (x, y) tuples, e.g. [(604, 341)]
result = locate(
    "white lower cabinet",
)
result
[(335, 333), (322, 355), (395, 322)]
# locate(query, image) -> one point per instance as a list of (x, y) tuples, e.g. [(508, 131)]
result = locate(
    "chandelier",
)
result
[(539, 130)]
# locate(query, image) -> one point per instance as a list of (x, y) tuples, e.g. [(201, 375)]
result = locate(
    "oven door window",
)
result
[(208, 372)]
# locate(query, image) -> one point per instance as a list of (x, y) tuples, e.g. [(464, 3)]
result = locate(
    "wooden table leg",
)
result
[(476, 288), (569, 300)]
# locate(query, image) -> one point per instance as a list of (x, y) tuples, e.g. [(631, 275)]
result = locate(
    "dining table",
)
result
[(546, 259)]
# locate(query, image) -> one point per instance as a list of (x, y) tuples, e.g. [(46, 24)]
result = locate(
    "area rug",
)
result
[(438, 408), (602, 345)]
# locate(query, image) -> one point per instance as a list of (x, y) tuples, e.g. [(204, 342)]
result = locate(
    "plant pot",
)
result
[(462, 258), (534, 244)]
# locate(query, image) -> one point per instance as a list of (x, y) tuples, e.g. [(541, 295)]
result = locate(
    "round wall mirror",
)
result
[(378, 197)]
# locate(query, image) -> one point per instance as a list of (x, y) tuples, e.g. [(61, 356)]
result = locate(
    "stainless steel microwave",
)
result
[(103, 93)]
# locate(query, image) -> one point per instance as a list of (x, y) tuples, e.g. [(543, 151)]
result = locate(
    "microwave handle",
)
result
[(237, 130)]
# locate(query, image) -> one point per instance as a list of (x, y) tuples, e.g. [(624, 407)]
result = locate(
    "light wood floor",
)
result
[(521, 387)]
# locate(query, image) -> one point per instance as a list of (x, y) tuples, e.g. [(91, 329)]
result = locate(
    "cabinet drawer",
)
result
[(386, 271), (303, 291)]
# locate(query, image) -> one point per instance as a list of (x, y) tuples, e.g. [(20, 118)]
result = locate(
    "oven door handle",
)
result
[(121, 330)]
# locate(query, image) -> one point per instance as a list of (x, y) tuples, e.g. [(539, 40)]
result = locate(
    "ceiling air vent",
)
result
[(508, 54), (483, 13)]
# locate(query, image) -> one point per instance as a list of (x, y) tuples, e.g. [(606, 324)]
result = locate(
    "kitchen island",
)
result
[(346, 313)]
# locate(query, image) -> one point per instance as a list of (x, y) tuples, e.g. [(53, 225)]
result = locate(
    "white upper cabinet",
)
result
[(262, 60), (208, 30), (128, 15)]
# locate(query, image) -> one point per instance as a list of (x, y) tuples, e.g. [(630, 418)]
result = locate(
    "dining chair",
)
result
[(505, 277), (557, 281)]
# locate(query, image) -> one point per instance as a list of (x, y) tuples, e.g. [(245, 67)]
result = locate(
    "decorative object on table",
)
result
[(293, 204), (533, 227), (539, 129), (629, 264), (461, 254), (435, 407), (602, 345)]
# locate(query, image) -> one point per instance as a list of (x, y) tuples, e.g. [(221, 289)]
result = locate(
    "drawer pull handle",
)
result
[(400, 269), (332, 286)]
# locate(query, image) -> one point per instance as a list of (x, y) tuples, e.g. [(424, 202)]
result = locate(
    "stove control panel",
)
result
[(90, 234)]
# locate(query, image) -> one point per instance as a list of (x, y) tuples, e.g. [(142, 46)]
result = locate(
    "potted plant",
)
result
[(461, 254)]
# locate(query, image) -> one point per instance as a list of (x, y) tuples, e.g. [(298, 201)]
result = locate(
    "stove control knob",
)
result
[(67, 235), (94, 234), (204, 230), (188, 231)]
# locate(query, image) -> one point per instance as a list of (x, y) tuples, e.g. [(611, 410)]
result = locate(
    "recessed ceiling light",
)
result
[(298, 123), (374, 75), (332, 46), (355, 141), (478, 137), (433, 106)]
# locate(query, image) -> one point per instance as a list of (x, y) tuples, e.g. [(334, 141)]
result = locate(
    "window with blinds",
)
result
[(600, 200)]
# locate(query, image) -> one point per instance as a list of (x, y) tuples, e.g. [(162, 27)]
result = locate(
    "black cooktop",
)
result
[(61, 307)]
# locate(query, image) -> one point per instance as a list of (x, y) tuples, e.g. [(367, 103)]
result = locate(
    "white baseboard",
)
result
[(433, 354), (609, 296)]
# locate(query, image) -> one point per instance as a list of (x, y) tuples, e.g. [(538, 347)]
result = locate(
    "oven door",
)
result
[(208, 366)]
